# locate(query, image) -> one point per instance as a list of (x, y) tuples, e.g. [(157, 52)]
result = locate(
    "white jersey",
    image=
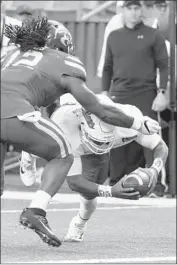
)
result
[(7, 20), (68, 118)]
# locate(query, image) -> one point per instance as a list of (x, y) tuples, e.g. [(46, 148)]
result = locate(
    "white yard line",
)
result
[(74, 198), (98, 208), (115, 260)]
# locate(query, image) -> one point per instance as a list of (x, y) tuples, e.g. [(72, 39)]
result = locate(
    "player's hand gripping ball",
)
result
[(140, 180)]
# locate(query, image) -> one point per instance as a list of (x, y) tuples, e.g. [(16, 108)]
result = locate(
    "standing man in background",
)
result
[(133, 55), (151, 14)]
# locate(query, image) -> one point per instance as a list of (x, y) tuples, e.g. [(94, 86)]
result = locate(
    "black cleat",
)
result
[(35, 219)]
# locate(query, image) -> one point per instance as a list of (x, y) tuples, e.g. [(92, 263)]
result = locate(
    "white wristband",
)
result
[(136, 124), (157, 164), (104, 191)]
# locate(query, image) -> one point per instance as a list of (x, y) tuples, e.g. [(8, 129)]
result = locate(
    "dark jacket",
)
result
[(132, 58)]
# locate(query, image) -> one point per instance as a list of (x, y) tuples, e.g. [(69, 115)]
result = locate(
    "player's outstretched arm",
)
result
[(90, 102), (160, 154), (158, 146), (90, 189), (110, 114)]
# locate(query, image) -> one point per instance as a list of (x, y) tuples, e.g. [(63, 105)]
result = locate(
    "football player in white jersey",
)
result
[(91, 141)]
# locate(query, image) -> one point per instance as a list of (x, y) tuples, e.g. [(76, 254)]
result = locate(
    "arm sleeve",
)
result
[(148, 141), (108, 67), (73, 67), (161, 59)]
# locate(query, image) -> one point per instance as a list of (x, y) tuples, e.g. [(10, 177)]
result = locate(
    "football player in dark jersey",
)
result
[(34, 75)]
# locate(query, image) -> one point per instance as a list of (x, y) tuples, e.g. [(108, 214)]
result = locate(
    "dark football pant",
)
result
[(124, 160), (94, 169), (43, 138)]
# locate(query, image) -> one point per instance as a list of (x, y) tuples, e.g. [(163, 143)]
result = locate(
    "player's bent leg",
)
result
[(78, 224), (43, 139), (54, 174), (94, 172), (59, 157), (34, 217)]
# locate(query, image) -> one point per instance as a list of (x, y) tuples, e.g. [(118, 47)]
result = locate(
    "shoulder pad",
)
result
[(74, 67)]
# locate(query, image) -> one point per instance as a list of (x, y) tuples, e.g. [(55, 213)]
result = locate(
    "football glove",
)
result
[(149, 126)]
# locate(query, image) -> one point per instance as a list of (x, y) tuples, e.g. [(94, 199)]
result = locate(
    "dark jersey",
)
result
[(33, 79), (131, 61)]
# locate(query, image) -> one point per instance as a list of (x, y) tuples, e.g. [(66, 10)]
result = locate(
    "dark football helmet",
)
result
[(60, 38)]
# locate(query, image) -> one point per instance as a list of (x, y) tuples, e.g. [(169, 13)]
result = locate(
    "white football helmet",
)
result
[(97, 135)]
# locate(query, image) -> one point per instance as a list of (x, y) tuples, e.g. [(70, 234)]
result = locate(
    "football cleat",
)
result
[(35, 219), (75, 232), (28, 169)]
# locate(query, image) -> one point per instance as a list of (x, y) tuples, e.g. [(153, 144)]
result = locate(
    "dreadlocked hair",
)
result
[(31, 35)]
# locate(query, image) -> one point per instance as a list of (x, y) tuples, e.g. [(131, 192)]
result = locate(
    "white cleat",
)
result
[(75, 231), (28, 169)]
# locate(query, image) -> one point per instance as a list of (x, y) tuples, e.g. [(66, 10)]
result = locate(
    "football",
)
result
[(138, 182)]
